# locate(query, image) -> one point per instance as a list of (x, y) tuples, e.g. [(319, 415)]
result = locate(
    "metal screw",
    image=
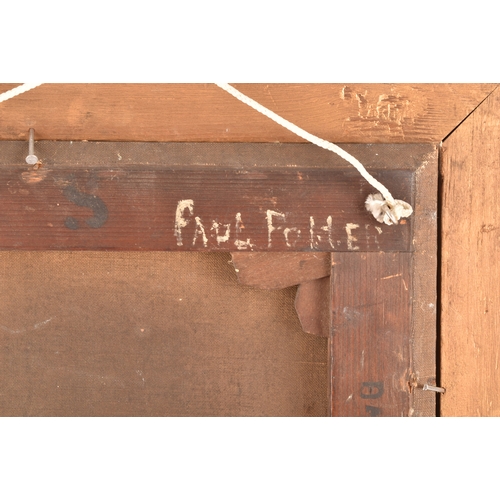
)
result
[(31, 159), (433, 388)]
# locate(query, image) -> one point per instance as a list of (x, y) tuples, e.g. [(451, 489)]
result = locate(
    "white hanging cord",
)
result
[(18, 90), (383, 206)]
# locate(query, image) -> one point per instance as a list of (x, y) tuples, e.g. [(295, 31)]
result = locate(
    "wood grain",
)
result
[(470, 284), (424, 294), (199, 197), (363, 113), (370, 337)]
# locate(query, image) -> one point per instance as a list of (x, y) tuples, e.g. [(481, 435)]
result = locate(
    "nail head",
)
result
[(31, 159)]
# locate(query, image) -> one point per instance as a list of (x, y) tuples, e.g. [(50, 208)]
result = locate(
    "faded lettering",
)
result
[(221, 239), (270, 227), (241, 244), (328, 229), (350, 238), (372, 236), (313, 237), (287, 234), (218, 233), (199, 231), (311, 234), (181, 220)]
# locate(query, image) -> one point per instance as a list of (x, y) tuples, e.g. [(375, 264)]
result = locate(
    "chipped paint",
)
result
[(34, 176)]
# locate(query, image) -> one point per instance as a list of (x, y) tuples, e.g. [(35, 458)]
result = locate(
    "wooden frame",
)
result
[(253, 198), (340, 113)]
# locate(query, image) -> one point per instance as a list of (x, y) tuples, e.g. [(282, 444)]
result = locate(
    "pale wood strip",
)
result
[(365, 113), (470, 314)]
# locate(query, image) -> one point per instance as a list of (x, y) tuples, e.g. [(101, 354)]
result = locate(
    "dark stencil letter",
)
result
[(86, 200), (372, 390), (373, 411)]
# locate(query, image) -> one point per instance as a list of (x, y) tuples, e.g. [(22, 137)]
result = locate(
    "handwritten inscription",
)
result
[(193, 231), (182, 216), (315, 239), (190, 229), (350, 237), (240, 244)]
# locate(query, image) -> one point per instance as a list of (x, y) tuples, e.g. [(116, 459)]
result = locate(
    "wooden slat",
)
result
[(470, 303), (370, 338), (424, 292), (199, 197), (383, 338), (363, 113)]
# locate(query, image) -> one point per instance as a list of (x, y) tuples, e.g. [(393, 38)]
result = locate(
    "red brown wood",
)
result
[(383, 338), (370, 340), (273, 271), (199, 197)]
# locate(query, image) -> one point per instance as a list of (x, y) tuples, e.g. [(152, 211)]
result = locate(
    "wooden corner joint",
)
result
[(277, 270)]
